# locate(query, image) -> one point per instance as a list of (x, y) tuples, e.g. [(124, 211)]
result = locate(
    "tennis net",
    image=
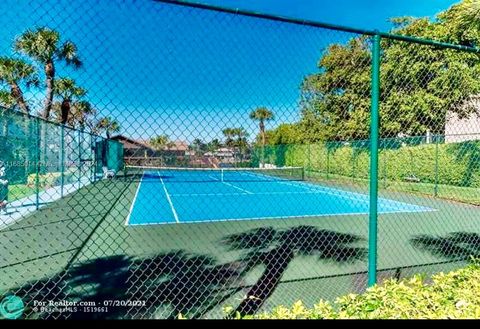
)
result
[(199, 175)]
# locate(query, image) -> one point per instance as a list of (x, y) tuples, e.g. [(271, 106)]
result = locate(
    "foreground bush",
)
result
[(449, 296)]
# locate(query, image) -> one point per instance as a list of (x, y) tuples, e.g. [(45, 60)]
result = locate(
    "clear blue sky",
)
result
[(187, 73)]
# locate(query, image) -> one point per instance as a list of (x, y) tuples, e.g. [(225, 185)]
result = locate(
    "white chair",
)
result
[(108, 173)]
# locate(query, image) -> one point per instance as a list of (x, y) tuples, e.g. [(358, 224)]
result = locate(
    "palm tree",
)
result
[(229, 134), (107, 125), (6, 100), (68, 91), (213, 145), (261, 115), (241, 141), (81, 112), (14, 72), (45, 47), (198, 145), (273, 250), (6, 103), (159, 142)]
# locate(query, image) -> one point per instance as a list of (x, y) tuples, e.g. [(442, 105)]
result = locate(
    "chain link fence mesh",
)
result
[(160, 160)]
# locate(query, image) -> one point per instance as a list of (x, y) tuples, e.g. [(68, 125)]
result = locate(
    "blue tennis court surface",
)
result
[(170, 196)]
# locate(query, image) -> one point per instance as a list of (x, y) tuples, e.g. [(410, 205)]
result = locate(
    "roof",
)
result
[(176, 146), (131, 143), (141, 143)]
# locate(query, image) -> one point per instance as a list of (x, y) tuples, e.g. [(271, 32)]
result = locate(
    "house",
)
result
[(464, 128), (139, 152), (135, 148), (176, 148), (225, 155)]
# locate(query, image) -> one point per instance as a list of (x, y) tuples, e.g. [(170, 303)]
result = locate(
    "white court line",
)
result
[(214, 178), (134, 200), (233, 194), (238, 188), (169, 199), (339, 193), (231, 185), (203, 221)]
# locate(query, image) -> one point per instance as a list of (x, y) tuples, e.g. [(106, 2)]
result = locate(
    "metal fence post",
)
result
[(37, 165), (79, 159), (62, 159), (374, 124), (435, 190), (328, 160)]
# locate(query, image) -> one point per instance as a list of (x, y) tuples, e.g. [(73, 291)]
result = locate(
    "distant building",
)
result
[(141, 153), (462, 129), (134, 148), (225, 155), (176, 148)]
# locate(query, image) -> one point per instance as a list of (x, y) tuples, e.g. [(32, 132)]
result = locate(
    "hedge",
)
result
[(458, 163), (455, 295)]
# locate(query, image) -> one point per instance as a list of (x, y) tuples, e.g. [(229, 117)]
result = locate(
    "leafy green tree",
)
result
[(13, 73), (419, 84), (68, 91), (285, 133), (45, 47)]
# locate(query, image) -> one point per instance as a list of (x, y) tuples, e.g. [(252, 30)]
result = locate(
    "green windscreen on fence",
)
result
[(109, 155), (44, 160)]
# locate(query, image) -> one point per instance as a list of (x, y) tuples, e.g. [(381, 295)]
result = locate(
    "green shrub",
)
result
[(448, 296)]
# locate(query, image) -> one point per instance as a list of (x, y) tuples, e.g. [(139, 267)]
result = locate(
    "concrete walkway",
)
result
[(19, 209)]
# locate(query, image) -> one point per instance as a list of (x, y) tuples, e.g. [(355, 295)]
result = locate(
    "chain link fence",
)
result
[(163, 159)]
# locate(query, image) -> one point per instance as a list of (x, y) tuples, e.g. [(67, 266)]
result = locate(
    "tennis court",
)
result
[(168, 196)]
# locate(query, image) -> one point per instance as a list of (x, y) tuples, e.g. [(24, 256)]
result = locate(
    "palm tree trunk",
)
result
[(50, 77), (50, 83), (65, 109), (262, 132), (277, 261), (17, 94)]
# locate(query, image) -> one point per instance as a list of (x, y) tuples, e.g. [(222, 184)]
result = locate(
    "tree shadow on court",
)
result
[(455, 246), (166, 285), (275, 249)]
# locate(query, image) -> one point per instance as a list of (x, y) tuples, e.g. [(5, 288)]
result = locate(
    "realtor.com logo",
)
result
[(11, 307)]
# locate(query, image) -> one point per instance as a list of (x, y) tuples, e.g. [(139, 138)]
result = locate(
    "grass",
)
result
[(448, 192), (19, 191)]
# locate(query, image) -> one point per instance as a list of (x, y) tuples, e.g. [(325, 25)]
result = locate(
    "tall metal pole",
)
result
[(38, 160), (435, 191), (62, 159), (374, 127)]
